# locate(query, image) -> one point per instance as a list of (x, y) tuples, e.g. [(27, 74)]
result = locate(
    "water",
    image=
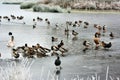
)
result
[(85, 64)]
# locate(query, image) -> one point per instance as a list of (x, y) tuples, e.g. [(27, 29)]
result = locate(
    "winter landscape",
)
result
[(28, 51)]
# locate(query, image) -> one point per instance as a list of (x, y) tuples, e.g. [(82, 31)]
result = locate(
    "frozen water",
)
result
[(76, 62)]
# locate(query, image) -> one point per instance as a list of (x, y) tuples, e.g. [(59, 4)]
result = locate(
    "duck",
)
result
[(39, 19), (106, 45), (10, 33), (57, 26), (46, 19), (96, 40), (99, 28), (66, 31), (0, 54), (75, 24), (54, 39), (11, 42), (15, 54), (86, 44), (86, 24), (54, 48), (74, 33), (57, 62), (13, 17), (68, 23), (0, 17), (20, 17), (104, 28), (34, 26), (60, 44), (98, 34), (79, 23), (48, 22), (111, 35)]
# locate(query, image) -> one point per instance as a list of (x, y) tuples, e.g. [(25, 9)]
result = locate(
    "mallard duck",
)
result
[(60, 44), (74, 33), (86, 44), (111, 35), (106, 45), (104, 28), (57, 61), (54, 39), (0, 17), (34, 26), (39, 19), (10, 33), (86, 24), (15, 54)]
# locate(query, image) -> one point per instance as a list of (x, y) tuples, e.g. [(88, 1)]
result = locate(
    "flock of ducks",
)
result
[(39, 51)]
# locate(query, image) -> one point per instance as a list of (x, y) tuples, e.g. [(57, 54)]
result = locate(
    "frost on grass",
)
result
[(21, 71), (27, 5), (48, 8), (12, 2), (14, 71)]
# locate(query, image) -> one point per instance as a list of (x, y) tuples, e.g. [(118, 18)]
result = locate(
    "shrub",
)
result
[(48, 8), (27, 5)]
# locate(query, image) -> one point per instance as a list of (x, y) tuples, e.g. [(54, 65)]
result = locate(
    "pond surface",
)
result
[(76, 63)]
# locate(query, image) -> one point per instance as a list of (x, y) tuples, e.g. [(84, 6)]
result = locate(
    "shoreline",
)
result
[(76, 10), (95, 11), (86, 11)]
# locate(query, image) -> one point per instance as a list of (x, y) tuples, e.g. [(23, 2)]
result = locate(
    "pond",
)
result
[(76, 63)]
